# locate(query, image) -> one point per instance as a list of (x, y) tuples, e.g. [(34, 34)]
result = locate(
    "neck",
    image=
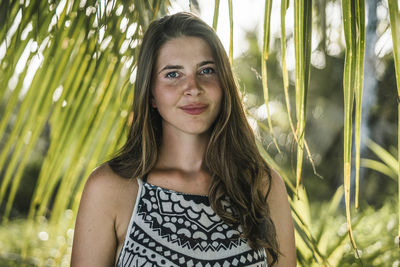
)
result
[(182, 151)]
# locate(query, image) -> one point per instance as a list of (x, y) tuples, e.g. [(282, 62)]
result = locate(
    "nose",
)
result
[(192, 86)]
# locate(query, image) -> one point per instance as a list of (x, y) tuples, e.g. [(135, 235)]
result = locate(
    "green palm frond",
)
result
[(216, 13), (394, 14), (302, 35), (380, 167), (358, 85), (264, 59), (285, 78), (230, 31), (353, 21)]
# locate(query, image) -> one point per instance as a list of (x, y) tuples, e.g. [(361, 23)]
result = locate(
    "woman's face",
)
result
[(186, 89)]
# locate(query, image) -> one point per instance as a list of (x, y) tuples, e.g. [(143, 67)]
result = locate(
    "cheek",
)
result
[(213, 87), (165, 95), (218, 94)]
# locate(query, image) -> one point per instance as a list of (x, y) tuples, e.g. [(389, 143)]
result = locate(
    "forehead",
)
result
[(186, 49)]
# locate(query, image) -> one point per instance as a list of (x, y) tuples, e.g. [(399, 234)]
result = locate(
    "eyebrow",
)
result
[(169, 67)]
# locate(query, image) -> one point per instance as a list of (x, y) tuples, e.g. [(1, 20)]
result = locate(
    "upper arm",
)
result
[(94, 237), (282, 218)]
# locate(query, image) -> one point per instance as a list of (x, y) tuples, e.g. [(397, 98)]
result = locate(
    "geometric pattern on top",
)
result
[(170, 228)]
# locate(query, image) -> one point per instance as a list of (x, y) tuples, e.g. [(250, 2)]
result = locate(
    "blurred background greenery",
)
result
[(66, 74)]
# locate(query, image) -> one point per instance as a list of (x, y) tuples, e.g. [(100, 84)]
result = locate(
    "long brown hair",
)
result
[(238, 171)]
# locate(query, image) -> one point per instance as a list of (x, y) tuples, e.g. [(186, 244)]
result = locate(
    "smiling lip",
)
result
[(194, 109)]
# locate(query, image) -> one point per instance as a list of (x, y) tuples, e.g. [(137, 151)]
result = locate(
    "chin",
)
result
[(197, 131)]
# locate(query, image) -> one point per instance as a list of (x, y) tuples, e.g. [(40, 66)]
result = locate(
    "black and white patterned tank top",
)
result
[(169, 228)]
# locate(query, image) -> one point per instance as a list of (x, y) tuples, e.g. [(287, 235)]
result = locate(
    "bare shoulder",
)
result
[(104, 181), (113, 194), (106, 199), (104, 175), (278, 188), (281, 216), (275, 185)]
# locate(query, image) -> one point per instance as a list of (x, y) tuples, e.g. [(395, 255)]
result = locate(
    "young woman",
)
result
[(189, 187)]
